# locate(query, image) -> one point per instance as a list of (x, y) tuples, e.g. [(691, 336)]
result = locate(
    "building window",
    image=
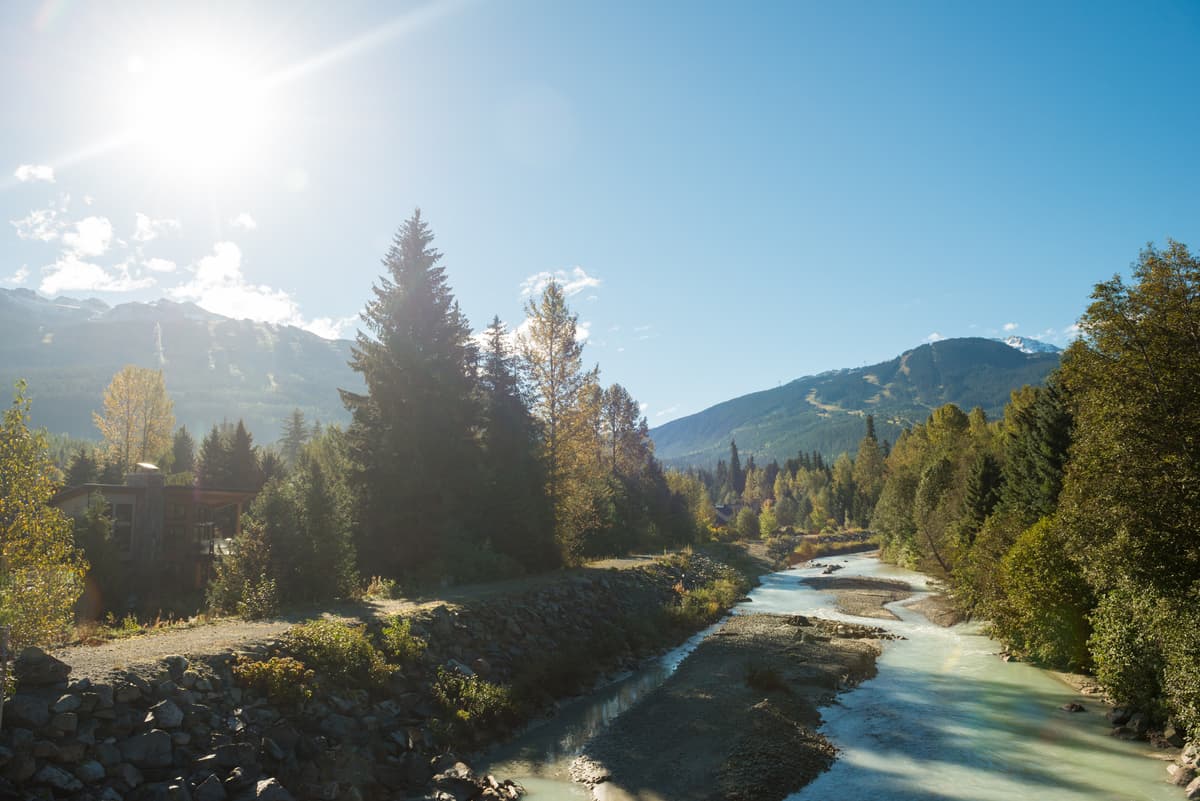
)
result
[(122, 517)]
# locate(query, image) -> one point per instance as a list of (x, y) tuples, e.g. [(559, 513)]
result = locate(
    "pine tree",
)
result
[(737, 478), (520, 518), (83, 469), (183, 451), (244, 472), (214, 466), (412, 435), (295, 434)]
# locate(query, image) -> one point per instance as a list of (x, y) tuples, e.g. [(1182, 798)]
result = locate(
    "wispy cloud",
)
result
[(1011, 327), (666, 411), (330, 328), (147, 229), (219, 285), (71, 272), (28, 173), (934, 337), (244, 222), (91, 236), (160, 265), (572, 282), (18, 278), (41, 225)]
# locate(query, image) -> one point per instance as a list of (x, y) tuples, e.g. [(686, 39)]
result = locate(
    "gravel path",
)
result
[(234, 634)]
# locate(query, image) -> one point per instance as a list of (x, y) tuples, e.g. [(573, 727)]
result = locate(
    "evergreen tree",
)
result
[(183, 451), (412, 435), (520, 518), (295, 434), (243, 460), (737, 478), (83, 469), (214, 467)]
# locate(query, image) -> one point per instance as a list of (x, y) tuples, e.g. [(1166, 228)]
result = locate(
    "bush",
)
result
[(399, 642), (1044, 611), (380, 587), (472, 705), (339, 652), (706, 604), (764, 679), (261, 599), (1126, 647), (281, 679)]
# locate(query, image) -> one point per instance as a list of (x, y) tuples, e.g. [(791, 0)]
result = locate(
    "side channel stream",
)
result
[(944, 719)]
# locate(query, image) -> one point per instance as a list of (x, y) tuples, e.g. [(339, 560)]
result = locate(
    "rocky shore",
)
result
[(187, 729), (738, 719)]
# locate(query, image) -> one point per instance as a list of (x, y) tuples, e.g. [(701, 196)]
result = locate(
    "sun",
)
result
[(196, 109)]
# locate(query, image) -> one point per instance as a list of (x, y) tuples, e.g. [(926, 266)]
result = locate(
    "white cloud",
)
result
[(91, 236), (572, 282), (41, 225), (245, 222), (147, 228), (329, 328), (1073, 332), (17, 278), (34, 172), (219, 286), (70, 272), (583, 331), (666, 411), (934, 337), (1011, 326), (160, 265)]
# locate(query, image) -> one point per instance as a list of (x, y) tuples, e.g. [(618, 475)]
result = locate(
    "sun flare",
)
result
[(197, 109)]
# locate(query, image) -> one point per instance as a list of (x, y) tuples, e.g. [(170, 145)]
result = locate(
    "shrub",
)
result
[(260, 599), (472, 705), (380, 587), (764, 679), (399, 642), (339, 652), (1126, 647), (705, 604), (1046, 602), (281, 679)]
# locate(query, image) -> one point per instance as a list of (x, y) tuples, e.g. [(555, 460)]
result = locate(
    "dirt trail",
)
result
[(234, 634)]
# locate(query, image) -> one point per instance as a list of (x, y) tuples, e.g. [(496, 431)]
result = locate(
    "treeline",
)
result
[(464, 460), (805, 494), (1071, 524)]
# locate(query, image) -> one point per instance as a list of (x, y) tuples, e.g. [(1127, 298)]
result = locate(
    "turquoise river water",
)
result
[(944, 719)]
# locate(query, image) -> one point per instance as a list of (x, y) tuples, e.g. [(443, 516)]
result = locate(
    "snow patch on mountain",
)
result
[(1027, 345)]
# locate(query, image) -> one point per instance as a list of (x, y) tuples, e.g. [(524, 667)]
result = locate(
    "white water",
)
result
[(944, 719)]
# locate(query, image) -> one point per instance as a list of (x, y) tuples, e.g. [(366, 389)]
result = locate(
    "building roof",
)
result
[(171, 491)]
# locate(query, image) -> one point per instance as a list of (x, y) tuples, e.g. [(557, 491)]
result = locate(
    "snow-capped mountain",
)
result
[(1027, 345)]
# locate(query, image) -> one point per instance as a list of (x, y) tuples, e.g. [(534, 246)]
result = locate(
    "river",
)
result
[(944, 719)]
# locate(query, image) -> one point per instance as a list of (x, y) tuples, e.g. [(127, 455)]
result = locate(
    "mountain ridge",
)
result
[(827, 412), (216, 367)]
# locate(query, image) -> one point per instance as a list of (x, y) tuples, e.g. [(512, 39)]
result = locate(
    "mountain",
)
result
[(827, 412), (1026, 345), (215, 367)]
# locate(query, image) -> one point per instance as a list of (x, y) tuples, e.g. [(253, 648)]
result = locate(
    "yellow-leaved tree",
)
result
[(138, 417), (41, 571)]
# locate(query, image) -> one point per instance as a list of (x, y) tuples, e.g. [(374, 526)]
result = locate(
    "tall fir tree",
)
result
[(183, 451), (737, 478), (295, 434), (412, 435), (520, 518)]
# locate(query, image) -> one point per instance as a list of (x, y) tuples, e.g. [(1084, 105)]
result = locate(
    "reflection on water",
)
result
[(944, 719), (540, 757)]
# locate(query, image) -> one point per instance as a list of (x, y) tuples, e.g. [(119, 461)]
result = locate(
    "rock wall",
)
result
[(185, 731)]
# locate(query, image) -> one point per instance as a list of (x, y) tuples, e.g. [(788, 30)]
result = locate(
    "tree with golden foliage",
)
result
[(41, 571), (138, 417)]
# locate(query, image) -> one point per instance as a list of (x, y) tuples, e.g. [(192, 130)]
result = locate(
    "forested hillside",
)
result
[(825, 413), (215, 367)]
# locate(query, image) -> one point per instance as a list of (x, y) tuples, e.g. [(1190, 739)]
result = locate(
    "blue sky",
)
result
[(736, 194)]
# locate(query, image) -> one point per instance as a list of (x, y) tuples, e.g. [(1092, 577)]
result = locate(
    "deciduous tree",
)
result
[(138, 417)]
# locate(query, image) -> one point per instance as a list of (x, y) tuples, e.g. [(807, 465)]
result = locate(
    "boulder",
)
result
[(20, 768), (271, 790), (66, 703), (234, 755), (166, 714), (210, 789), (36, 668), (65, 722), (59, 779), (1072, 706), (27, 710), (1181, 775), (176, 666), (1192, 791), (89, 772), (149, 750), (1118, 715)]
